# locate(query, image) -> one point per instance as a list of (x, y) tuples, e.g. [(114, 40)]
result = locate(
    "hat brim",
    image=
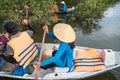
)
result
[(62, 2), (64, 32)]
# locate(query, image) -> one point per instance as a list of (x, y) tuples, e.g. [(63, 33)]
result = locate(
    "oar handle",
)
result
[(40, 56), (26, 14), (26, 9)]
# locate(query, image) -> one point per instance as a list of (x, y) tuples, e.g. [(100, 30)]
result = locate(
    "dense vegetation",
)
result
[(38, 12), (86, 13), (89, 10), (85, 10)]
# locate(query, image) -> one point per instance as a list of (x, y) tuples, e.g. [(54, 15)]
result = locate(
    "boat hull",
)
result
[(61, 73), (65, 12)]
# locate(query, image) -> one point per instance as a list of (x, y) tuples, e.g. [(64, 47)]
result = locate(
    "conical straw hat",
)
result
[(62, 2), (64, 32)]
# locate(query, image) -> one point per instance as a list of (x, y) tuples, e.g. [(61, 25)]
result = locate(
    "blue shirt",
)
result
[(63, 56), (64, 7)]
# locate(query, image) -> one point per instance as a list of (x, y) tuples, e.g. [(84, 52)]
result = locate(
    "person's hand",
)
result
[(36, 65), (7, 36), (25, 22), (0, 34), (45, 28)]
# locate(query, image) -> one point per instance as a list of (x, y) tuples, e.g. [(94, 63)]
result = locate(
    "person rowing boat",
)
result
[(21, 49)]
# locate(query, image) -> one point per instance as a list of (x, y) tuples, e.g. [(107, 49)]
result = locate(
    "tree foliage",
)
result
[(12, 10), (87, 10)]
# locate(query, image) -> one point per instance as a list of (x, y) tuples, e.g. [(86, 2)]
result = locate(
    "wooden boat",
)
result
[(62, 73)]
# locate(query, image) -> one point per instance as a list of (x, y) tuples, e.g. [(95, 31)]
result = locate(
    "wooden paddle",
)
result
[(26, 9), (40, 56)]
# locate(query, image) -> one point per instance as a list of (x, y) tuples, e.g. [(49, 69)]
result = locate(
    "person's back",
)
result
[(24, 51), (64, 6), (65, 51)]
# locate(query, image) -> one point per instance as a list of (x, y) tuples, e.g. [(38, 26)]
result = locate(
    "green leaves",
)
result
[(87, 9), (38, 10)]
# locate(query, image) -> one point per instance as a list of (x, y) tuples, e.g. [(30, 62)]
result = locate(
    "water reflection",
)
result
[(87, 28), (101, 34), (110, 26)]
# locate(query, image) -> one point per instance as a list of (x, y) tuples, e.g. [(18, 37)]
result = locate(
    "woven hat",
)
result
[(62, 2), (64, 32)]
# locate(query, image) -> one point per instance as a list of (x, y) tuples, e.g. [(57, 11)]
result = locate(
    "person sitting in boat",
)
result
[(3, 42), (64, 6), (21, 49), (63, 57)]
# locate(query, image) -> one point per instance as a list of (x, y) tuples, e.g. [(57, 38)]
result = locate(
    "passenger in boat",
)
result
[(63, 57), (3, 42), (64, 6), (21, 49)]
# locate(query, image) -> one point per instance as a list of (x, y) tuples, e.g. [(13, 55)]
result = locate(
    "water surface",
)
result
[(108, 35)]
